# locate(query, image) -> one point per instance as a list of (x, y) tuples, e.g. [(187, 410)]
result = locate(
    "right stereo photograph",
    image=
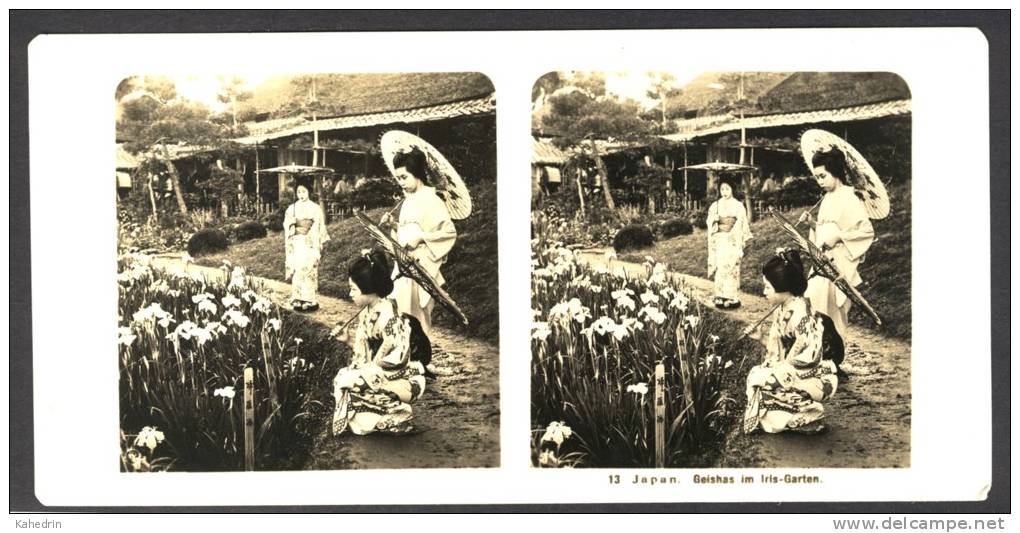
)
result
[(721, 270)]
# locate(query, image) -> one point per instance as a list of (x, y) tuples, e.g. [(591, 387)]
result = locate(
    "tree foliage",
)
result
[(546, 84), (152, 113), (662, 87), (152, 116), (577, 115), (581, 115)]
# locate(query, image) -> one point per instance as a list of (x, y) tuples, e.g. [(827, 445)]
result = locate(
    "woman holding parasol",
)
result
[(424, 225), (843, 230), (305, 234), (728, 232)]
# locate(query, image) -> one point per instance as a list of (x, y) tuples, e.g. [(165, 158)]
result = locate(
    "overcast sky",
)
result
[(205, 87), (634, 85)]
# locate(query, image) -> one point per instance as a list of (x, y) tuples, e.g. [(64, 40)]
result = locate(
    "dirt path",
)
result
[(457, 419), (869, 416)]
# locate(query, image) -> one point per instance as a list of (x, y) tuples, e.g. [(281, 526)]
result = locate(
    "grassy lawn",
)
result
[(471, 270), (886, 269)]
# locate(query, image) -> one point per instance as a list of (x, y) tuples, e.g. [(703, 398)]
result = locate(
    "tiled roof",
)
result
[(700, 127), (273, 125), (544, 152), (474, 106), (125, 159), (366, 93)]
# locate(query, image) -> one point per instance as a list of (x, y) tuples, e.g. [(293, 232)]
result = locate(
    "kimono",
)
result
[(305, 234), (423, 214), (375, 392), (841, 213), (728, 231), (786, 391)]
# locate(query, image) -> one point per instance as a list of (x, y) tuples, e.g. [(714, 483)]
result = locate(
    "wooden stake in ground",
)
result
[(660, 416), (249, 420)]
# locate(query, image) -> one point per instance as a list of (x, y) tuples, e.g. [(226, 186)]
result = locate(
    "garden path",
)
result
[(457, 420), (869, 416)]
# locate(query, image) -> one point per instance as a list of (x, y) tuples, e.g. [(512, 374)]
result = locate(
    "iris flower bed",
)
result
[(597, 335), (184, 342)]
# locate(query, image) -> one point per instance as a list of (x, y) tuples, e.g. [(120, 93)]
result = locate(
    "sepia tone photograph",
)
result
[(721, 270), (307, 272)]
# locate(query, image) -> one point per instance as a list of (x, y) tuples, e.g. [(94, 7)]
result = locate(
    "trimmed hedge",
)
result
[(677, 226), (698, 217), (247, 231), (633, 237), (207, 241), (274, 220)]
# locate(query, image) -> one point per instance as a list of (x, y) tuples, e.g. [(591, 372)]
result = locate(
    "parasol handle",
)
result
[(394, 208), (756, 325), (811, 209), (348, 323), (748, 332)]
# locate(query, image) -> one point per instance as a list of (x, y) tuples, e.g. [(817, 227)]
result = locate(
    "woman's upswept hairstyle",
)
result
[(726, 179), (415, 163), (833, 160), (371, 272), (785, 272)]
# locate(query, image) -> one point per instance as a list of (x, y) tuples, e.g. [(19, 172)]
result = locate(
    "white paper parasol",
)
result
[(447, 182), (862, 177)]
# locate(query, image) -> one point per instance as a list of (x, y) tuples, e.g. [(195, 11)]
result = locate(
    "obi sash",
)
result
[(303, 225), (725, 224)]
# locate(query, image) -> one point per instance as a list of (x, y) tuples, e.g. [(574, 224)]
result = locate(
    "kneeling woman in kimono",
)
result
[(785, 391), (375, 392), (728, 232)]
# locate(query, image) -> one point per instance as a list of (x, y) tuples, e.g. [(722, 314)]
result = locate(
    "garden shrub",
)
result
[(601, 235), (697, 218), (677, 226), (799, 193), (207, 241), (633, 237), (374, 192), (274, 220), (249, 230)]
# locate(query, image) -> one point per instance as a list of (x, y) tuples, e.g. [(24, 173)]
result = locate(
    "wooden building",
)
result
[(869, 109), (341, 129)]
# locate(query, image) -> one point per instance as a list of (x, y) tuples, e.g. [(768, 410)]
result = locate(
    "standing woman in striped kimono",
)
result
[(728, 232), (305, 234)]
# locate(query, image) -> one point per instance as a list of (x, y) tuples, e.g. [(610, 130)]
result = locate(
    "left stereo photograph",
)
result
[(306, 272)]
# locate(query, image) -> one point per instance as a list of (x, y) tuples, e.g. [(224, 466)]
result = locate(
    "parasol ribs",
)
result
[(408, 266)]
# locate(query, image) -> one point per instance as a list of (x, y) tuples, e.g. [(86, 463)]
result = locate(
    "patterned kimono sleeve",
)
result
[(395, 351), (744, 225), (774, 346), (322, 235), (289, 220), (804, 353), (713, 217)]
